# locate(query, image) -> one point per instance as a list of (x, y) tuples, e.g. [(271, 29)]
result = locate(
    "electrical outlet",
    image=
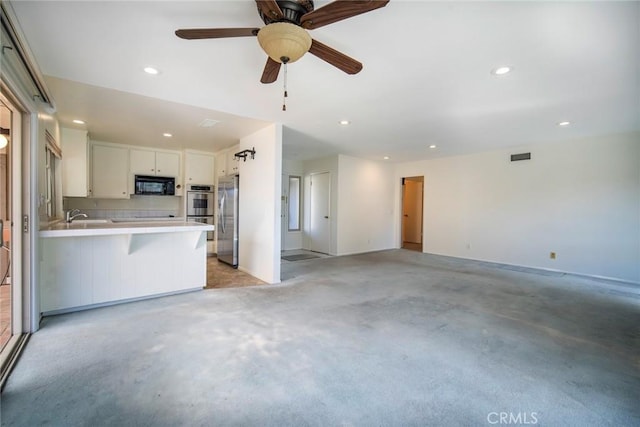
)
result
[(552, 255), (468, 245)]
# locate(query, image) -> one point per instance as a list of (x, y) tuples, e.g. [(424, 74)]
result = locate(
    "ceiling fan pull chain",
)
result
[(284, 99)]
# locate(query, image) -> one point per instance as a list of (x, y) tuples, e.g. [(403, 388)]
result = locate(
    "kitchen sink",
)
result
[(91, 221)]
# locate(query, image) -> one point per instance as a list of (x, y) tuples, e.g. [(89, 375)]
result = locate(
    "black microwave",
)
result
[(155, 185)]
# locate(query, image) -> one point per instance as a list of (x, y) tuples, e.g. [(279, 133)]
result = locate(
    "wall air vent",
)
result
[(208, 123), (521, 156)]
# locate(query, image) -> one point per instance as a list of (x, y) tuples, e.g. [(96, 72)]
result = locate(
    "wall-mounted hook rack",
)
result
[(244, 153)]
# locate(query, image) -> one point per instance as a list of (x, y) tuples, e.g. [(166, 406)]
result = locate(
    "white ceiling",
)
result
[(426, 77)]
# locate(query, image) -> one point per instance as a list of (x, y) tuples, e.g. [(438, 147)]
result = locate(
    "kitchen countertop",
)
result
[(107, 227)]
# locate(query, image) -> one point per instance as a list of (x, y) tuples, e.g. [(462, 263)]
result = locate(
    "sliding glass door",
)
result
[(11, 303), (5, 226)]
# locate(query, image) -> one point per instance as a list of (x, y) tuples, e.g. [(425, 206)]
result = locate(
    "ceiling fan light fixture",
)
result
[(284, 42)]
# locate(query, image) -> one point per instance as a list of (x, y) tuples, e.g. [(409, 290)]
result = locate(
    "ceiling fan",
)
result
[(284, 37)]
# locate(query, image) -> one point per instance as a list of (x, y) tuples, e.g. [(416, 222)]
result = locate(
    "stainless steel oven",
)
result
[(204, 220), (200, 200), (201, 205)]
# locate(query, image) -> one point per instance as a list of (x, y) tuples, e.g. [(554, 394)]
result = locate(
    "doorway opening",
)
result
[(412, 213), (319, 236)]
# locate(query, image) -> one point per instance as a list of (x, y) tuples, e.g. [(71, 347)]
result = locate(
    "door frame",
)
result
[(401, 226), (308, 191), (24, 177), (292, 239)]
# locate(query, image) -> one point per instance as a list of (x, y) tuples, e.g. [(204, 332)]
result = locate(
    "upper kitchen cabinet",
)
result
[(154, 163), (221, 163), (232, 160), (199, 168), (75, 162), (149, 162), (109, 171), (226, 163), (168, 164)]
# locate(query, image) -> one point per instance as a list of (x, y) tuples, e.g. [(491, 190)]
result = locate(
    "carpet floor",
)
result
[(393, 338)]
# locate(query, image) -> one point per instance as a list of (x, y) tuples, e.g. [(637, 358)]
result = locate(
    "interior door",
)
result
[(412, 202), (319, 218)]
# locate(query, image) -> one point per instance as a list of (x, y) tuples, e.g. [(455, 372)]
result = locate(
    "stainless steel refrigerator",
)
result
[(227, 243)]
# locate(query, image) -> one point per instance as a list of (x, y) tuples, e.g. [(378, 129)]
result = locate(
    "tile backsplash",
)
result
[(135, 207)]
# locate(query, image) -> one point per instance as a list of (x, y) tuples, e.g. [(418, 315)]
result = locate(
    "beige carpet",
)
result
[(221, 275)]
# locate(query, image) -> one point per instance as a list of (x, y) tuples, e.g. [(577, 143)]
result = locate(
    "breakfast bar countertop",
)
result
[(106, 227)]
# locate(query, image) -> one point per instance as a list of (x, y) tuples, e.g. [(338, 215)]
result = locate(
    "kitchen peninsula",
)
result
[(90, 263)]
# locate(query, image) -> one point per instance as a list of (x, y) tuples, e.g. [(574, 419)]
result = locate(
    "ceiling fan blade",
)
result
[(270, 8), (216, 33), (335, 58), (271, 70), (337, 11)]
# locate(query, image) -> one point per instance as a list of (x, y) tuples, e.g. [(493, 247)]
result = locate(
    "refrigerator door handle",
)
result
[(221, 211)]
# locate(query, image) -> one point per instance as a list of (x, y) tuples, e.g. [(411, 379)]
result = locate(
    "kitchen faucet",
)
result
[(73, 214)]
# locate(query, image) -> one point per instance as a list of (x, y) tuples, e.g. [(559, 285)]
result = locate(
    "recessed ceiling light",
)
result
[(167, 135), (151, 70), (564, 123), (432, 146), (78, 121), (501, 71), (386, 157), (344, 122)]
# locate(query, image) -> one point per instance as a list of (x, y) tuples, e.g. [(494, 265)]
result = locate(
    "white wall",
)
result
[(292, 239), (580, 199), (365, 206), (325, 164), (259, 218)]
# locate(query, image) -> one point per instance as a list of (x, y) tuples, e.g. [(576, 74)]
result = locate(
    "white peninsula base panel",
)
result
[(79, 272)]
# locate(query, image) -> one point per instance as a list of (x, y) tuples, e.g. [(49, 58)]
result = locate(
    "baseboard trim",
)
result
[(122, 301), (541, 270)]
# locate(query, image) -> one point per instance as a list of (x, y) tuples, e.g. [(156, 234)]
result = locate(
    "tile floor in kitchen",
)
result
[(221, 275)]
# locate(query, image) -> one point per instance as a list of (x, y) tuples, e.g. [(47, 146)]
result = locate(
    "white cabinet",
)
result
[(109, 171), (75, 162), (149, 162), (142, 162), (199, 168), (221, 163), (232, 161), (226, 163), (167, 164), (154, 163)]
